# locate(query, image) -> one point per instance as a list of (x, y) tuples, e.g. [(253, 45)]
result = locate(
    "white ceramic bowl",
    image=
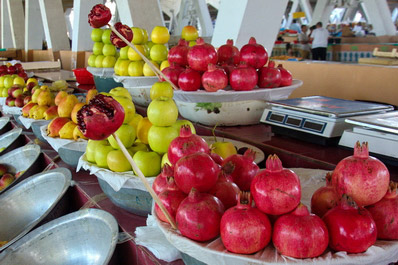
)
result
[(139, 87), (228, 107)]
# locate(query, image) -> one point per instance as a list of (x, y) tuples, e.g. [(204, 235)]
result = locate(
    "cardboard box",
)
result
[(346, 81), (71, 60)]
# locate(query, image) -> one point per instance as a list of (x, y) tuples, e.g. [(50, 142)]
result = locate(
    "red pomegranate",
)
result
[(362, 177), (244, 229), (324, 198), (351, 227), (228, 53), (243, 78), (172, 73), (241, 168), (186, 143), (276, 190), (99, 16), (189, 80), (214, 79), (254, 54), (385, 214), (198, 216), (201, 55), (300, 234), (226, 191), (125, 31), (171, 200), (100, 118), (269, 77), (286, 76), (178, 53), (163, 180), (197, 170)]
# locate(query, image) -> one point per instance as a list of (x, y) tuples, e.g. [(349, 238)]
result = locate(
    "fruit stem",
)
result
[(145, 182), (154, 68)]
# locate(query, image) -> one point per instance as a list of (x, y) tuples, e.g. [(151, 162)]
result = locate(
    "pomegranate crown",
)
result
[(250, 153), (168, 170), (361, 151), (392, 190), (273, 163), (230, 42), (185, 131), (244, 198), (252, 40), (301, 210)]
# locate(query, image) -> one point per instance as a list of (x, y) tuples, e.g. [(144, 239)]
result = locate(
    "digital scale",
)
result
[(317, 119), (379, 130)]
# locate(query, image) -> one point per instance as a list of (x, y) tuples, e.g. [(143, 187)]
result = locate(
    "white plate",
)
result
[(214, 252), (238, 144)]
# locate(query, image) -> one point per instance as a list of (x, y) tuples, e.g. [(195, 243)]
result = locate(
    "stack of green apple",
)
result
[(104, 52), (130, 63)]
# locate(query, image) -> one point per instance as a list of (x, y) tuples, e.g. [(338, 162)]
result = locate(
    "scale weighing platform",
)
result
[(379, 130), (316, 119)]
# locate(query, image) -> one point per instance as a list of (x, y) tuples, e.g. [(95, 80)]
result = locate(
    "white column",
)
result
[(350, 14), (54, 24), (34, 32), (379, 15), (6, 40), (292, 10), (17, 23), (81, 40), (306, 7), (241, 19), (138, 13), (206, 25), (322, 12), (195, 10)]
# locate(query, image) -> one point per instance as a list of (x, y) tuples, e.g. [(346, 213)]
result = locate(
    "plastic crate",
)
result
[(83, 76)]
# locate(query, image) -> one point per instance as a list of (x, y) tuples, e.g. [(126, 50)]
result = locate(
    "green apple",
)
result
[(124, 67), (123, 52), (138, 35), (109, 61), (165, 160), (126, 134), (4, 93), (2, 80), (109, 50), (147, 70), (162, 111), (117, 161), (160, 137), (137, 146), (91, 147), (98, 61), (8, 81), (96, 34), (97, 48), (223, 149), (145, 35), (133, 55), (158, 52), (179, 123), (161, 89), (106, 36), (148, 162), (164, 64), (91, 60), (136, 68), (128, 106), (101, 153), (120, 92)]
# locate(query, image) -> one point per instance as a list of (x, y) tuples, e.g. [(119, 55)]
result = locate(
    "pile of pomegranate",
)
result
[(249, 208), (202, 66)]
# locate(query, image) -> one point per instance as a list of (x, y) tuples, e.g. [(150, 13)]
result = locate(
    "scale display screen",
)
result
[(288, 120)]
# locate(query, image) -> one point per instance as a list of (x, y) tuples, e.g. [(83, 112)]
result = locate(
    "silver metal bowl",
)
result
[(84, 237), (71, 152), (29, 202), (4, 124), (36, 129), (20, 159), (135, 201), (8, 138)]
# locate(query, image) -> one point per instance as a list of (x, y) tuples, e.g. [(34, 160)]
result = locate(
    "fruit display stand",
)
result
[(228, 107), (87, 192), (139, 87), (103, 78)]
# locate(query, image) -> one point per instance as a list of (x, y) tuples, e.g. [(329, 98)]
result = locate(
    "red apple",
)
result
[(6, 180), (10, 101), (11, 70), (26, 100), (3, 169), (15, 91), (30, 86), (19, 101), (19, 67), (3, 69)]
